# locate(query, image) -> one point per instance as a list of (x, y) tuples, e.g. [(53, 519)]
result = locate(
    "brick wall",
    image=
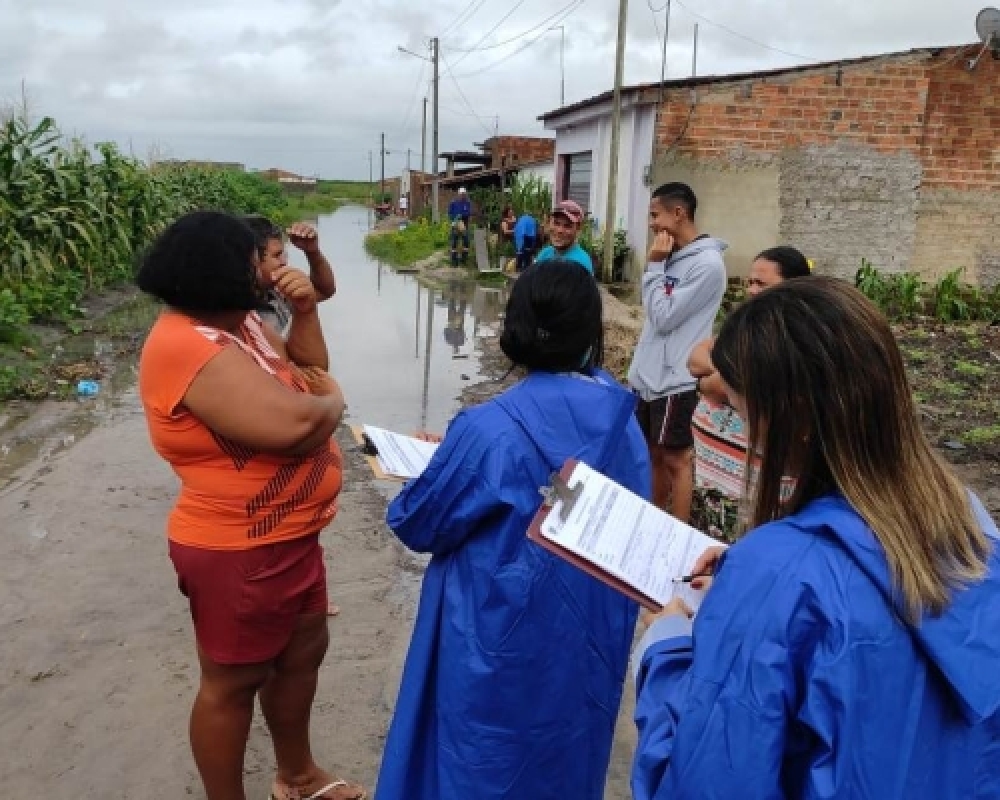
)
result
[(521, 150), (875, 159), (959, 211)]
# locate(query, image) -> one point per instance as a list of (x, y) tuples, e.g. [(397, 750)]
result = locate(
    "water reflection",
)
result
[(401, 361)]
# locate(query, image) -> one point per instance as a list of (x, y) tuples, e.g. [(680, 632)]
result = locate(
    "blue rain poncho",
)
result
[(515, 670), (805, 683)]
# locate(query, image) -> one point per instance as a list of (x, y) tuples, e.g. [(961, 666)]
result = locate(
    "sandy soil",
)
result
[(97, 669)]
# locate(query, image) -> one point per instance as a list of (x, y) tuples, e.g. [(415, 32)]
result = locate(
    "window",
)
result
[(577, 171)]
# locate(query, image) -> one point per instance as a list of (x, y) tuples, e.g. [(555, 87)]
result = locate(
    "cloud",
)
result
[(311, 84)]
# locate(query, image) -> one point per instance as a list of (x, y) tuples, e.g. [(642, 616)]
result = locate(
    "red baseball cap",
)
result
[(571, 210)]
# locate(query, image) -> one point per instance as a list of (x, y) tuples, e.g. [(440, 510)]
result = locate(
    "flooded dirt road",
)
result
[(97, 668)]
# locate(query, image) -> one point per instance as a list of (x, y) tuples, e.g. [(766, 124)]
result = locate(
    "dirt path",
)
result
[(97, 669)]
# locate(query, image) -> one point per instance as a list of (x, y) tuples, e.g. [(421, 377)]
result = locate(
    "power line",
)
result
[(526, 45), (464, 17), (742, 36), (458, 113), (465, 99), (513, 39), (493, 30), (413, 100)]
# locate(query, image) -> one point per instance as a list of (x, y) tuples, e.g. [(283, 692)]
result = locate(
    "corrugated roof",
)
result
[(682, 83)]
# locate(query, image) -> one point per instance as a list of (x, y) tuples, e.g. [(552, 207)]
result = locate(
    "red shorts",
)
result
[(245, 603)]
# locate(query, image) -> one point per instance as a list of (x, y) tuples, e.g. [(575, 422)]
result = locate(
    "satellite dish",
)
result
[(988, 28), (988, 25)]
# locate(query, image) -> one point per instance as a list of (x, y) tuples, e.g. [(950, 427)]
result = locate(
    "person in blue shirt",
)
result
[(525, 240), (515, 671), (848, 644), (460, 215), (564, 230)]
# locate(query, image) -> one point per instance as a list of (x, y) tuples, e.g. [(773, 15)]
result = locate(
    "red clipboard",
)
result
[(535, 535)]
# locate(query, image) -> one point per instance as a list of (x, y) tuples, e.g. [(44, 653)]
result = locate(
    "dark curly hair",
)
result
[(203, 262), (553, 321)]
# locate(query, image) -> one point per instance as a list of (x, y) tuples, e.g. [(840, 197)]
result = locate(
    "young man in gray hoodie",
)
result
[(682, 289)]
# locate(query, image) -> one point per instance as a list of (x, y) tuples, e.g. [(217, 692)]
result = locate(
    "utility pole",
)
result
[(562, 62), (434, 59), (616, 129), (371, 179), (436, 46), (382, 190), (562, 66), (407, 159), (423, 141)]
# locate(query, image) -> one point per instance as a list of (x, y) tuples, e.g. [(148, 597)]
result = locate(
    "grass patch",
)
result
[(948, 388), (982, 436), (414, 243), (916, 355), (970, 370), (359, 192)]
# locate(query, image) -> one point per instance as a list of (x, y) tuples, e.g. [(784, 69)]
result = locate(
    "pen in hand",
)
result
[(690, 578)]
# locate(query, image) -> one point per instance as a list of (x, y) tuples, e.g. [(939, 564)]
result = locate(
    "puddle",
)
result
[(401, 350)]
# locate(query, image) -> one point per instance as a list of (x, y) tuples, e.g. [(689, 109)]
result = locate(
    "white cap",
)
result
[(462, 190)]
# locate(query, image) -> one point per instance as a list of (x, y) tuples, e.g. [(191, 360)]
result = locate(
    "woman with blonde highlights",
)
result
[(848, 645)]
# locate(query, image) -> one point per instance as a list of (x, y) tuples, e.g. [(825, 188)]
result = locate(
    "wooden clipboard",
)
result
[(359, 436), (535, 535)]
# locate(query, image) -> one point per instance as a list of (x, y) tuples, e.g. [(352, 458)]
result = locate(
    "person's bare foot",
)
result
[(332, 610), (323, 787)]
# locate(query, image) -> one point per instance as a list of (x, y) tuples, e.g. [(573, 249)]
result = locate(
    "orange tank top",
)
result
[(231, 497)]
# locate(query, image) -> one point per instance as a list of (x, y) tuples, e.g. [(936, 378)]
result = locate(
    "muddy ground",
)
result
[(97, 667)]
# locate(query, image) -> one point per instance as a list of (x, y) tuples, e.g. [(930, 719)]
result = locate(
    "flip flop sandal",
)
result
[(280, 793)]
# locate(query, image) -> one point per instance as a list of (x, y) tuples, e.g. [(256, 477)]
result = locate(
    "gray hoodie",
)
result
[(681, 297)]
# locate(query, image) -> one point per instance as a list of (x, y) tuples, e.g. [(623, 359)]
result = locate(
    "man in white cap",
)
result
[(460, 213), (564, 230)]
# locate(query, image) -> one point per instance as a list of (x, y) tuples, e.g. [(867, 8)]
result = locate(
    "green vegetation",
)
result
[(970, 370), (982, 436), (72, 218), (417, 241), (327, 198), (904, 296)]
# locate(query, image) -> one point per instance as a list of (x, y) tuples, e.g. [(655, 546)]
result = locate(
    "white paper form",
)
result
[(398, 455), (628, 538)]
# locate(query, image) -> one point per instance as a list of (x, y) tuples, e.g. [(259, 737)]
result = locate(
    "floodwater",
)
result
[(401, 350)]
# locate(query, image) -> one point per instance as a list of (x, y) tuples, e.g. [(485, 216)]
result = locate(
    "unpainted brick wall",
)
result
[(521, 150)]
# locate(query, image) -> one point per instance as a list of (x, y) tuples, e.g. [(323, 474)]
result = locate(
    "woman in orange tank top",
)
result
[(248, 434)]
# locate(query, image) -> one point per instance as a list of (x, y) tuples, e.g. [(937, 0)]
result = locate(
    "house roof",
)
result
[(471, 177), (683, 83), (465, 156)]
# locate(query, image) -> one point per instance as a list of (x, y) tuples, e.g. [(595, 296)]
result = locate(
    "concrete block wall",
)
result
[(844, 202)]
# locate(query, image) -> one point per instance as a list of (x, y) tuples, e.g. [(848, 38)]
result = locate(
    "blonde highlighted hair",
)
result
[(828, 403)]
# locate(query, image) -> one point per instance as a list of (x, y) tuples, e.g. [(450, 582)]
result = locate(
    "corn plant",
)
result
[(73, 217), (947, 299)]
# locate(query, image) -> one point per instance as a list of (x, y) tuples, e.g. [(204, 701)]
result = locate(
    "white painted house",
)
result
[(583, 146), (545, 171)]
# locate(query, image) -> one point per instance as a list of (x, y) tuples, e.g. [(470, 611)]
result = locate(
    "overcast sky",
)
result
[(308, 85)]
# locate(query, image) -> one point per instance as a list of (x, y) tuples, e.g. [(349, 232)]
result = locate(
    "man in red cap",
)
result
[(564, 229)]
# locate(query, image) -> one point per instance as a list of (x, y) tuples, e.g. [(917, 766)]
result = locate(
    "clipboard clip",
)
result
[(559, 490), (368, 447)]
